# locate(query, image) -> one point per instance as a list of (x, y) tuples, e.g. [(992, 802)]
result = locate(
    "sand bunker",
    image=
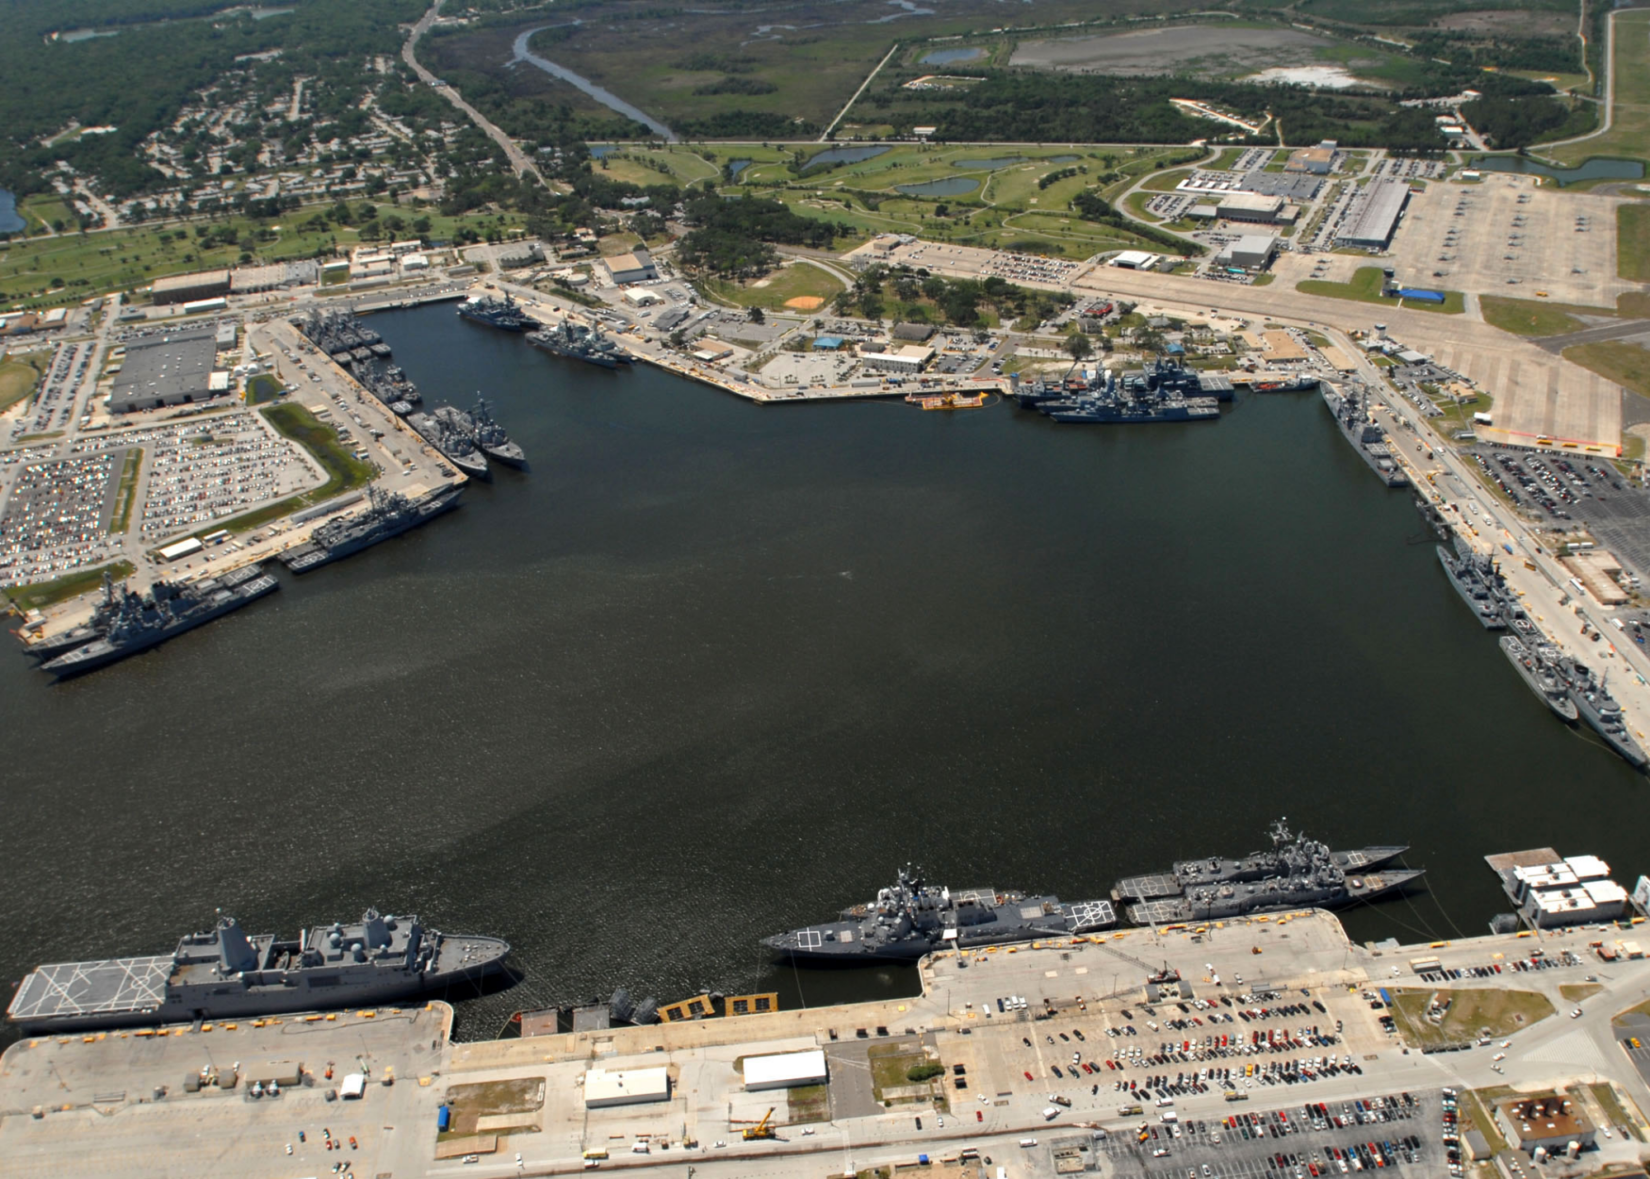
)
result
[(806, 302)]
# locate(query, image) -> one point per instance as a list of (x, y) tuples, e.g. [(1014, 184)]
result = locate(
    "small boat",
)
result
[(946, 400)]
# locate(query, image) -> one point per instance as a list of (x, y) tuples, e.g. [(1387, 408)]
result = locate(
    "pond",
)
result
[(990, 165), (950, 186), (951, 56), (1063, 159), (1598, 168), (843, 155), (10, 222), (600, 151), (735, 167)]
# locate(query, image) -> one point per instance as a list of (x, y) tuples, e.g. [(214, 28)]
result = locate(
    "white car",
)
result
[(1576, 1014)]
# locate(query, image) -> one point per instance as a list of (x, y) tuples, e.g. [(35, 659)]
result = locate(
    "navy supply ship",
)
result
[(1536, 670), (458, 448), (166, 611), (484, 431), (577, 342), (226, 974), (1600, 710), (387, 514), (913, 918), (1367, 438), (1296, 873), (1478, 582), (505, 314)]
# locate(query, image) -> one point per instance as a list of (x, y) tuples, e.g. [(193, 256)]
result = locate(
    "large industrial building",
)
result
[(1374, 214), (1252, 206), (636, 266), (168, 368), (786, 1070), (1546, 1122), (186, 288), (1252, 251), (1574, 891)]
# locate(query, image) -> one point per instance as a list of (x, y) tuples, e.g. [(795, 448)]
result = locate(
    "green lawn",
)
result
[(70, 585), (1627, 365), (124, 497), (1535, 317), (1629, 133), (1365, 287), (1633, 242), (17, 381)]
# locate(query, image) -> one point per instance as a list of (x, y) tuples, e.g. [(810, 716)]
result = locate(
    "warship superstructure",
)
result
[(387, 514), (1535, 668), (391, 385), (225, 973), (912, 918), (481, 428), (142, 622), (1296, 873), (578, 342), (1365, 436), (457, 447), (342, 336), (1478, 582), (505, 314), (1599, 709), (95, 627)]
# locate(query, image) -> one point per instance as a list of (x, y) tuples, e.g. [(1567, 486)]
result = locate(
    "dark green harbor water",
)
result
[(711, 670)]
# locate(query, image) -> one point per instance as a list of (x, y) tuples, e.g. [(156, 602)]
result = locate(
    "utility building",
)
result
[(185, 288), (634, 1086), (785, 1070)]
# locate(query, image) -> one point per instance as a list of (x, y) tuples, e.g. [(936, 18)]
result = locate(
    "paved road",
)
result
[(409, 54)]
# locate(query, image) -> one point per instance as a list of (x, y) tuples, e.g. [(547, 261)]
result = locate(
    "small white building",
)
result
[(410, 262), (904, 360), (641, 297), (785, 1070), (180, 550), (635, 1086)]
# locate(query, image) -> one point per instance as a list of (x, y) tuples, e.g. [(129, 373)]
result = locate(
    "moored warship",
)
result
[(578, 342), (95, 627), (225, 974), (1599, 709), (1296, 873), (484, 431), (1365, 436), (1535, 668), (912, 918), (166, 611), (457, 447), (1164, 392), (388, 514), (505, 314), (1478, 582), (1298, 383)]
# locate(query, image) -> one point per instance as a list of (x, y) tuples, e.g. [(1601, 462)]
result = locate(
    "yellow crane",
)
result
[(761, 1130)]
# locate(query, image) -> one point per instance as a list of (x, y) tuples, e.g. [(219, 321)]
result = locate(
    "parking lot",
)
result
[(57, 517), (1403, 1130), (1569, 490), (54, 405), (1505, 236)]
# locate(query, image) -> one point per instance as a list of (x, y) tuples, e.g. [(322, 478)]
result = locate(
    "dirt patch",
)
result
[(1522, 23), (806, 302), (1200, 48), (493, 1106)]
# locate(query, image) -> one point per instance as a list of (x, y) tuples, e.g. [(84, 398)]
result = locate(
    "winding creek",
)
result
[(606, 97)]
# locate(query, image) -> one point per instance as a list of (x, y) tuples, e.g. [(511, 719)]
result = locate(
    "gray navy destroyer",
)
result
[(455, 446), (1297, 873), (1600, 710), (142, 622), (578, 342), (912, 918), (505, 314), (225, 974), (1163, 392), (1535, 666), (1478, 582), (482, 429), (388, 514), (1367, 438)]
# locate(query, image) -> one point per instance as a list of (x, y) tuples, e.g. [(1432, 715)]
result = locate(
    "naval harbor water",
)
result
[(711, 670)]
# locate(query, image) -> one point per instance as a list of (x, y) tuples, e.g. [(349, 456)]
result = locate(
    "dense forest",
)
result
[(732, 237)]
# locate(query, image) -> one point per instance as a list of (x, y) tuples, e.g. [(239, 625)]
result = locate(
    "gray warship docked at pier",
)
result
[(1163, 392), (1535, 668), (505, 314), (226, 974), (912, 918), (142, 622), (387, 514), (343, 337), (1297, 873), (1478, 582), (455, 446), (1599, 709), (1365, 436), (578, 342), (481, 428)]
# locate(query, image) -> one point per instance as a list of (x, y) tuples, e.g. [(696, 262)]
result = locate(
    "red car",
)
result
[(978, 1116), (1029, 1077)]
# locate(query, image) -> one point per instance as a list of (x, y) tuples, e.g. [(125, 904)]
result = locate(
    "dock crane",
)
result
[(762, 1129)]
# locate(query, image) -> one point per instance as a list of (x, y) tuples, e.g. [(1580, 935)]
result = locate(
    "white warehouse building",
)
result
[(786, 1070), (633, 1086)]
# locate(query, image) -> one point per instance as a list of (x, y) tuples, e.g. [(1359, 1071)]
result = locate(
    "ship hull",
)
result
[(1486, 610), (100, 653), (1560, 703), (1383, 465), (306, 561), (510, 456)]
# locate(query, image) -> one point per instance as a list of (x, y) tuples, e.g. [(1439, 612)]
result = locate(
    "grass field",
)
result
[(807, 1103), (70, 585), (124, 496), (1627, 365), (1365, 287), (17, 381), (1605, 1095), (1576, 992), (799, 280), (37, 272), (1633, 242), (1471, 1011), (1535, 317), (1629, 133)]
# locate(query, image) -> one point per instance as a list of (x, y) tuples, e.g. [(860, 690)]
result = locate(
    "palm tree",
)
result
[(1078, 348)]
